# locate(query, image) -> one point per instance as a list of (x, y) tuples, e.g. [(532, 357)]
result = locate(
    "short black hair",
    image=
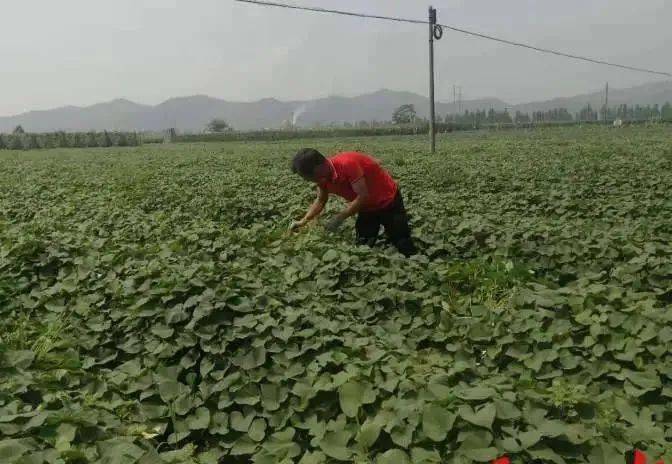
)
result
[(305, 161)]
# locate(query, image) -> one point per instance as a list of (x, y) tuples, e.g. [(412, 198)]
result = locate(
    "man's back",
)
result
[(349, 167)]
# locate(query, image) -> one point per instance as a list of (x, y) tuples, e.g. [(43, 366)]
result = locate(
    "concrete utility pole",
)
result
[(460, 97), (606, 104), (435, 32), (432, 133)]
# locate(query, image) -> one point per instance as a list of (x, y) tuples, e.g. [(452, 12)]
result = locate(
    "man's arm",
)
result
[(356, 205), (315, 209)]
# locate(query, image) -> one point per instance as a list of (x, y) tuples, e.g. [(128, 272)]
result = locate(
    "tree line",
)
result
[(22, 140), (406, 114), (404, 121)]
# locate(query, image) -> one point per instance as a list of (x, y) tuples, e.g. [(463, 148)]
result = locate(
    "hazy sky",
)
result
[(82, 52)]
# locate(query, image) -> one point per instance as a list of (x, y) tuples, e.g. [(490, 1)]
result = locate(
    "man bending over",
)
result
[(369, 189)]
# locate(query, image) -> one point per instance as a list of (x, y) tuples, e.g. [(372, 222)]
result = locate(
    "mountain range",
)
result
[(191, 114)]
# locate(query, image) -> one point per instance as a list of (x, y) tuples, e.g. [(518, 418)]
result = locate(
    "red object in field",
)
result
[(640, 458)]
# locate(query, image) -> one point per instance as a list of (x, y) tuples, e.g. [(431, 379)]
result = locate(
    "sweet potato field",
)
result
[(154, 310)]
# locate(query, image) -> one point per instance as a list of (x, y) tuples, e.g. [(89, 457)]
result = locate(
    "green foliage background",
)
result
[(154, 310), (33, 141)]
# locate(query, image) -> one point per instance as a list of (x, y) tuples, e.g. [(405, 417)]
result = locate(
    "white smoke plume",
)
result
[(297, 113)]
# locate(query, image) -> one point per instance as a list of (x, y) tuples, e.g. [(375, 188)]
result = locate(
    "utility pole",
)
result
[(435, 32), (606, 104), (432, 133), (457, 113), (459, 98)]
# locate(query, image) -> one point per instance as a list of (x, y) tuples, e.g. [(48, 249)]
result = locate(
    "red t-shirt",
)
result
[(349, 167)]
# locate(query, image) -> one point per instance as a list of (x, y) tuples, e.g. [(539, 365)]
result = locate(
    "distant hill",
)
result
[(647, 94), (114, 114), (376, 106), (194, 112)]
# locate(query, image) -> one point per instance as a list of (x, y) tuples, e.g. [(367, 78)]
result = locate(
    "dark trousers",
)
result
[(395, 221)]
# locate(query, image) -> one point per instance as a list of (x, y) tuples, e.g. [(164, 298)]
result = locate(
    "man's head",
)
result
[(311, 165)]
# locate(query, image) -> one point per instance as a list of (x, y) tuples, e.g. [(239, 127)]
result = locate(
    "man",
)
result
[(370, 190)]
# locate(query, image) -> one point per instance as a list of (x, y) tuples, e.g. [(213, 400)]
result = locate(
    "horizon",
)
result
[(446, 102)]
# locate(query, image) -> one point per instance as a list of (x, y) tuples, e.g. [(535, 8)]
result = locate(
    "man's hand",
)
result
[(334, 223), (296, 225)]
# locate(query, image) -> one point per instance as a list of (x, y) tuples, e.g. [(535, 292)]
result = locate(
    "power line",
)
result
[(457, 29), (554, 52), (339, 12)]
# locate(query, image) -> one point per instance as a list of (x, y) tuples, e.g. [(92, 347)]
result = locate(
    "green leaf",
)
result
[(21, 359), (179, 455), (633, 391), (270, 397), (481, 455), (257, 430), (393, 456), (207, 365), (648, 381), (552, 428), (475, 393), (281, 445), (529, 438), (119, 451), (151, 457), (368, 434), (506, 410), (212, 456), (36, 421), (351, 396), (255, 357), (436, 422), (439, 386), (402, 434), (335, 445), (316, 457), (248, 395), (65, 434), (509, 444), (605, 453), (483, 417), (665, 334), (330, 255), (627, 410), (474, 439), (183, 404), (578, 434), (548, 455), (239, 422), (171, 389), (12, 449), (219, 423), (199, 420), (423, 456), (49, 456), (162, 331), (244, 445)]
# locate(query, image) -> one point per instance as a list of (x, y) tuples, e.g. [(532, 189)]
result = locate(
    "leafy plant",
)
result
[(154, 309)]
